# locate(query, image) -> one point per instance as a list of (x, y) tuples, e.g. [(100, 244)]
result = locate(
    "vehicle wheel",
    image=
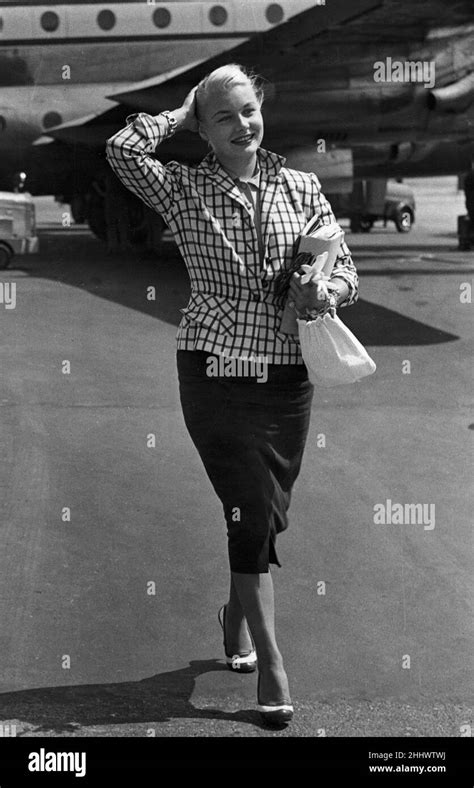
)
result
[(365, 225), (6, 255), (404, 220)]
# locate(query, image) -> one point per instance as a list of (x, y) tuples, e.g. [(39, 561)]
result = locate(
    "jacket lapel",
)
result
[(270, 165), (268, 193), (221, 178)]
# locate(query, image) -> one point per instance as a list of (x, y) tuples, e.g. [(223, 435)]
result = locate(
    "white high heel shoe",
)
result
[(245, 661), (278, 713)]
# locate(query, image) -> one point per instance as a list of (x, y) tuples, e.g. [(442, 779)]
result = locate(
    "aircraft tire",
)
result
[(6, 255), (96, 215), (78, 208)]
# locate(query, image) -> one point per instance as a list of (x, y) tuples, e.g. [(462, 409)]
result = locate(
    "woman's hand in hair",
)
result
[(186, 114)]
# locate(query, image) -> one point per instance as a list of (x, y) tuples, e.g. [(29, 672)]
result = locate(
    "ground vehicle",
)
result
[(372, 201), (17, 226), (399, 207)]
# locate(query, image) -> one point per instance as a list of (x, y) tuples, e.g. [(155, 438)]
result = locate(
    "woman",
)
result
[(235, 219)]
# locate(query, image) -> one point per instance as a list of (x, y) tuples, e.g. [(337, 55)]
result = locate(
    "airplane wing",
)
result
[(319, 68), (313, 42), (281, 50), (270, 53)]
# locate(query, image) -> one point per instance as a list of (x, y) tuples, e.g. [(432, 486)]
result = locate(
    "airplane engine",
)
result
[(454, 98)]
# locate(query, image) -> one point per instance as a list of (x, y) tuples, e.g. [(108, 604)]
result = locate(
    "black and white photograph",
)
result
[(236, 422)]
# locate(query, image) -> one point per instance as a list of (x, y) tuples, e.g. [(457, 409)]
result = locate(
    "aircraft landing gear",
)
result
[(79, 208), (95, 213), (119, 218)]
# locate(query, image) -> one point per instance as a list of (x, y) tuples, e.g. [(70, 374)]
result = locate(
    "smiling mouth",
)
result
[(243, 140)]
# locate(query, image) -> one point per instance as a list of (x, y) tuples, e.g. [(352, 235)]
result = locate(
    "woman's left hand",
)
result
[(306, 296)]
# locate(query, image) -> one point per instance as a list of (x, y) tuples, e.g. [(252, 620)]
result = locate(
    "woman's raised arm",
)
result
[(129, 154)]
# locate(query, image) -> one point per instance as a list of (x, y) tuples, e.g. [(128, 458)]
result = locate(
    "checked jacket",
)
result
[(233, 309)]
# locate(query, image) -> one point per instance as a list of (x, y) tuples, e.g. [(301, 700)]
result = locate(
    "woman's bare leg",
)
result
[(255, 593), (237, 634)]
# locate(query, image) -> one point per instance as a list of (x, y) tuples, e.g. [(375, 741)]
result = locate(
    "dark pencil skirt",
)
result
[(251, 437)]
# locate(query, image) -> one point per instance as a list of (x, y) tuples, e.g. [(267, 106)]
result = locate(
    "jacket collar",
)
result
[(254, 180), (269, 165)]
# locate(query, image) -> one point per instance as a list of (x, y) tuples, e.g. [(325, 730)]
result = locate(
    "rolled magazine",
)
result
[(316, 254)]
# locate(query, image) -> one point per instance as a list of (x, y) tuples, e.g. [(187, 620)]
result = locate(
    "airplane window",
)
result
[(218, 15), (49, 21), (1, 23), (51, 119), (274, 13), (106, 19), (161, 17), (3, 123)]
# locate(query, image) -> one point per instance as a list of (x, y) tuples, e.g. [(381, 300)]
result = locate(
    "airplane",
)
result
[(60, 61), (360, 89)]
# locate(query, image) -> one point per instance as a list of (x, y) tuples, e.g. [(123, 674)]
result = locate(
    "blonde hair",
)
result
[(224, 78)]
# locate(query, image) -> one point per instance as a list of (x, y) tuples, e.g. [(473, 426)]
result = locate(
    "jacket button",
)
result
[(255, 297), (265, 285)]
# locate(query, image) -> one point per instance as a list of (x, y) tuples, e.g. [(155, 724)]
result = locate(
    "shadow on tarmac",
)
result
[(75, 258), (160, 698)]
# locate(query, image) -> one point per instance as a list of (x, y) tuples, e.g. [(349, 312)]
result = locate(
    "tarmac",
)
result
[(113, 559)]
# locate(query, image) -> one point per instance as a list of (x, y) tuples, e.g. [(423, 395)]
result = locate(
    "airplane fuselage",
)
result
[(59, 62)]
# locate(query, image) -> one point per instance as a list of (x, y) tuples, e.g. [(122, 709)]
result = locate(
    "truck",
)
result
[(17, 226), (376, 200)]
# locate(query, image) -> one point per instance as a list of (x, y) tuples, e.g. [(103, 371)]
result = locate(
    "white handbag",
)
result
[(332, 354)]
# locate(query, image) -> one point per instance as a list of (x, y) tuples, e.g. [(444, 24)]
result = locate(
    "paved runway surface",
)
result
[(385, 651)]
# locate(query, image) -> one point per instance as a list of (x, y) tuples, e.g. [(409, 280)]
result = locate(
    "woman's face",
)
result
[(232, 123)]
